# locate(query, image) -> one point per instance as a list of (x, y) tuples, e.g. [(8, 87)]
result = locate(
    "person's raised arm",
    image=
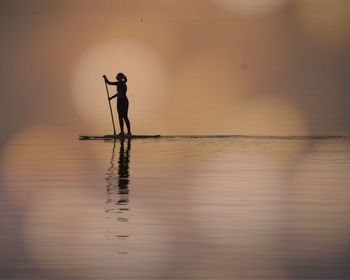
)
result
[(108, 81)]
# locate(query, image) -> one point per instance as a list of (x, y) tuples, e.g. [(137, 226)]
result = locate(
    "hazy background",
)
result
[(194, 67), (237, 208)]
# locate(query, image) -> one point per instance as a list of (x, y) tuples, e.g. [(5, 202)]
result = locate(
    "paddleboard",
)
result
[(112, 137), (252, 137)]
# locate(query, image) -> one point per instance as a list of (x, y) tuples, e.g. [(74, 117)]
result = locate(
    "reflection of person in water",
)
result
[(117, 190), (123, 164), (122, 101), (120, 178)]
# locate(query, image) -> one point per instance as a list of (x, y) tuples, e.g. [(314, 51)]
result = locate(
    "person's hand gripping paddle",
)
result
[(109, 102)]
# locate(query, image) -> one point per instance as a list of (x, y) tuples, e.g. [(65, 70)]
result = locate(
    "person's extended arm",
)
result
[(110, 83), (115, 95)]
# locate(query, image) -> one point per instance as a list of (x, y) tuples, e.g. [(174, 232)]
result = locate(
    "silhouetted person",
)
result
[(122, 101)]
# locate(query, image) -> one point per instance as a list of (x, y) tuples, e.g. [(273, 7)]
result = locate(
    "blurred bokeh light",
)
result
[(251, 7), (324, 22)]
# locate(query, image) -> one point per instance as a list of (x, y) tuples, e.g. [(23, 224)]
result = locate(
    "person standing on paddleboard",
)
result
[(122, 102)]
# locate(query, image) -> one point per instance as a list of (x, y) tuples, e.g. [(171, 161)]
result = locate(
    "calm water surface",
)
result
[(175, 209)]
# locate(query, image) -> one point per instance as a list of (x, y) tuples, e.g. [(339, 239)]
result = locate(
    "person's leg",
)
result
[(121, 123), (120, 117), (126, 119), (127, 122)]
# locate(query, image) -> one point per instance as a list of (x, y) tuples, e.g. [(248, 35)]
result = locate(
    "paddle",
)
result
[(110, 107)]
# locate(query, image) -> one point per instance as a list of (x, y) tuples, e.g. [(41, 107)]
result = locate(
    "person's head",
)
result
[(121, 77)]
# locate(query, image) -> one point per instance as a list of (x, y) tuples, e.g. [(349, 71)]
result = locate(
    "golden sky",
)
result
[(195, 67)]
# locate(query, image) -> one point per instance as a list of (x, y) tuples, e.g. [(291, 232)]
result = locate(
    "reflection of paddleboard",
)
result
[(111, 137)]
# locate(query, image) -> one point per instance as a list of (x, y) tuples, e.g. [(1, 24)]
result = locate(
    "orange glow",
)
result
[(147, 83), (268, 115), (36, 153), (206, 88)]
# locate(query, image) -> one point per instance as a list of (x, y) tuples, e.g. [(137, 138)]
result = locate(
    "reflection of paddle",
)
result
[(110, 107)]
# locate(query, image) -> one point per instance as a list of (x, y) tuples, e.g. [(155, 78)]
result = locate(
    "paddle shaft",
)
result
[(110, 107)]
